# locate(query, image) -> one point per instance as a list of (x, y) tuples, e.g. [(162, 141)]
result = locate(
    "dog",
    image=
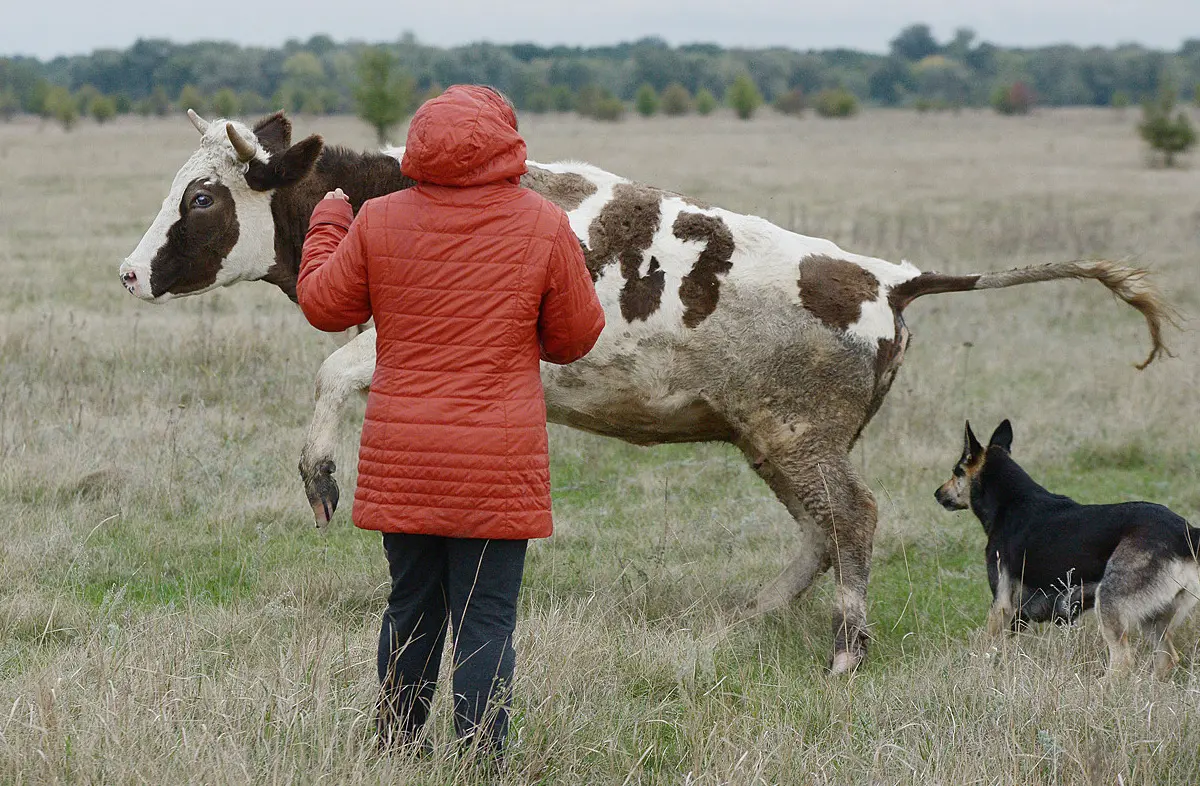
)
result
[(1051, 558)]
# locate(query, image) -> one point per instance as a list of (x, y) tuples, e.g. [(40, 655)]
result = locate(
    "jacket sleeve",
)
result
[(332, 287), (571, 316)]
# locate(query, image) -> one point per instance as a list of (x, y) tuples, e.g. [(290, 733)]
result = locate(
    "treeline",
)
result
[(321, 75)]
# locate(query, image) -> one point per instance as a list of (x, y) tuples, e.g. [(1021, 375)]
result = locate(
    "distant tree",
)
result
[(84, 97), (250, 102), (743, 97), (706, 102), (122, 103), (646, 101), (914, 43), (588, 99), (608, 107), (1014, 99), (1120, 100), (157, 103), (384, 94), (102, 109), (539, 102), (562, 99), (9, 104), (1167, 135), (225, 103), (676, 100), (889, 83), (835, 102), (1196, 96), (190, 98), (790, 103), (62, 106)]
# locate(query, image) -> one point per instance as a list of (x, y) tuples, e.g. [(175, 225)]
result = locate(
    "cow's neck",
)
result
[(362, 176)]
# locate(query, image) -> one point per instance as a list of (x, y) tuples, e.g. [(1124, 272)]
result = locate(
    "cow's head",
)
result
[(215, 226)]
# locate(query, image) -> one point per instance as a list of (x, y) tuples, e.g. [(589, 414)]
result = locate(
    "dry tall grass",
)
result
[(167, 614)]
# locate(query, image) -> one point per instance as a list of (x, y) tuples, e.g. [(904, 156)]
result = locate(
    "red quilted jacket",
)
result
[(470, 280)]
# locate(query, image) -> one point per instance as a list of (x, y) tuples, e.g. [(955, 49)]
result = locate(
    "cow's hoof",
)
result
[(322, 491), (845, 662)]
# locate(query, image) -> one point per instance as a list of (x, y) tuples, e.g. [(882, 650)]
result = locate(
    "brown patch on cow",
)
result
[(197, 243), (833, 290), (701, 289), (362, 176), (565, 189), (622, 233)]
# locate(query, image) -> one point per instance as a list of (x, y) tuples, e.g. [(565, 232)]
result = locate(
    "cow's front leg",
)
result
[(347, 370)]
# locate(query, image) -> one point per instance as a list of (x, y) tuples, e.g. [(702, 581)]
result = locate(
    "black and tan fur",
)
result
[(1051, 558)]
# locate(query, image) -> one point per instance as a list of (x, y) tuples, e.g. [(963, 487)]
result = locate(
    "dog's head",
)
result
[(957, 492)]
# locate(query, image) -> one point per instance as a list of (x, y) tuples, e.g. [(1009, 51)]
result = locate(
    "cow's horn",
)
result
[(245, 150), (200, 123)]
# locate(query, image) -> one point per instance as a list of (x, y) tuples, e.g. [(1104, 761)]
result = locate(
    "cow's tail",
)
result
[(1127, 283)]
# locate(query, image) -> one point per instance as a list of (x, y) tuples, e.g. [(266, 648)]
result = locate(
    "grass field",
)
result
[(169, 615)]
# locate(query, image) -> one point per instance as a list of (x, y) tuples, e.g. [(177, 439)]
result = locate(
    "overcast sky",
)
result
[(49, 28)]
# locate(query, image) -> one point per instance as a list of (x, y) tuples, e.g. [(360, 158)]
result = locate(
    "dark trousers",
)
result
[(473, 585)]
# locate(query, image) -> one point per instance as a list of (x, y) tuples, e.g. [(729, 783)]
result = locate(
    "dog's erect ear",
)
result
[(287, 167), (971, 446), (1002, 437)]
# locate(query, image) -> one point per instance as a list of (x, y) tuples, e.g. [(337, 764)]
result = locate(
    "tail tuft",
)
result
[(1127, 283)]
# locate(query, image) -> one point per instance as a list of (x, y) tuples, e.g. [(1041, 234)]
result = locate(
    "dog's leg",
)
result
[(1114, 629), (1166, 657), (1000, 618)]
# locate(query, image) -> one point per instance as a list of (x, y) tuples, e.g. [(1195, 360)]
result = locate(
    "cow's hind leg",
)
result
[(347, 370), (837, 498), (812, 556)]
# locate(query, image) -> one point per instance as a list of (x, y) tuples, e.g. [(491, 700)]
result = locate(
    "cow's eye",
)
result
[(202, 200)]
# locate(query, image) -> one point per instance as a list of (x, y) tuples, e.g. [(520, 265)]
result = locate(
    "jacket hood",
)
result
[(467, 136)]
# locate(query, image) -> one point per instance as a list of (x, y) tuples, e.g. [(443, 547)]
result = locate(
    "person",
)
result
[(470, 279)]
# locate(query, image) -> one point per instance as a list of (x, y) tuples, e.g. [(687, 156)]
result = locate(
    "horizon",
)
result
[(756, 24)]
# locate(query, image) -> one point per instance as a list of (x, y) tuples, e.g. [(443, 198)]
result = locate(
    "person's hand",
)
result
[(337, 193)]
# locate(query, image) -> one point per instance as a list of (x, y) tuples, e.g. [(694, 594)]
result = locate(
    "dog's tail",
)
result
[(1127, 283)]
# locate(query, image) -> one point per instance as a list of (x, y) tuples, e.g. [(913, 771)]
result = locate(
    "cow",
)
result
[(720, 326)]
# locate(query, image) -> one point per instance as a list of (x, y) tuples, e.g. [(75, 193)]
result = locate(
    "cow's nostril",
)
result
[(129, 277)]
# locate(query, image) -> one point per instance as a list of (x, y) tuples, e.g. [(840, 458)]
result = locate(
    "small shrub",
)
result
[(1167, 136), (706, 102), (84, 97), (646, 101), (562, 98), (1196, 96), (103, 109), (225, 103), (251, 102), (1014, 99), (790, 103), (123, 104), (62, 106), (9, 105), (676, 100), (1120, 99), (743, 97), (539, 102), (588, 99), (609, 108), (836, 102), (191, 98)]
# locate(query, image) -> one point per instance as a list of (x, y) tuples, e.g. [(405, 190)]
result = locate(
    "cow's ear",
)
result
[(274, 132), (287, 167)]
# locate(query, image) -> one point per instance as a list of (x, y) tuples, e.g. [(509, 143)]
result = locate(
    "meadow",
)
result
[(168, 613)]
